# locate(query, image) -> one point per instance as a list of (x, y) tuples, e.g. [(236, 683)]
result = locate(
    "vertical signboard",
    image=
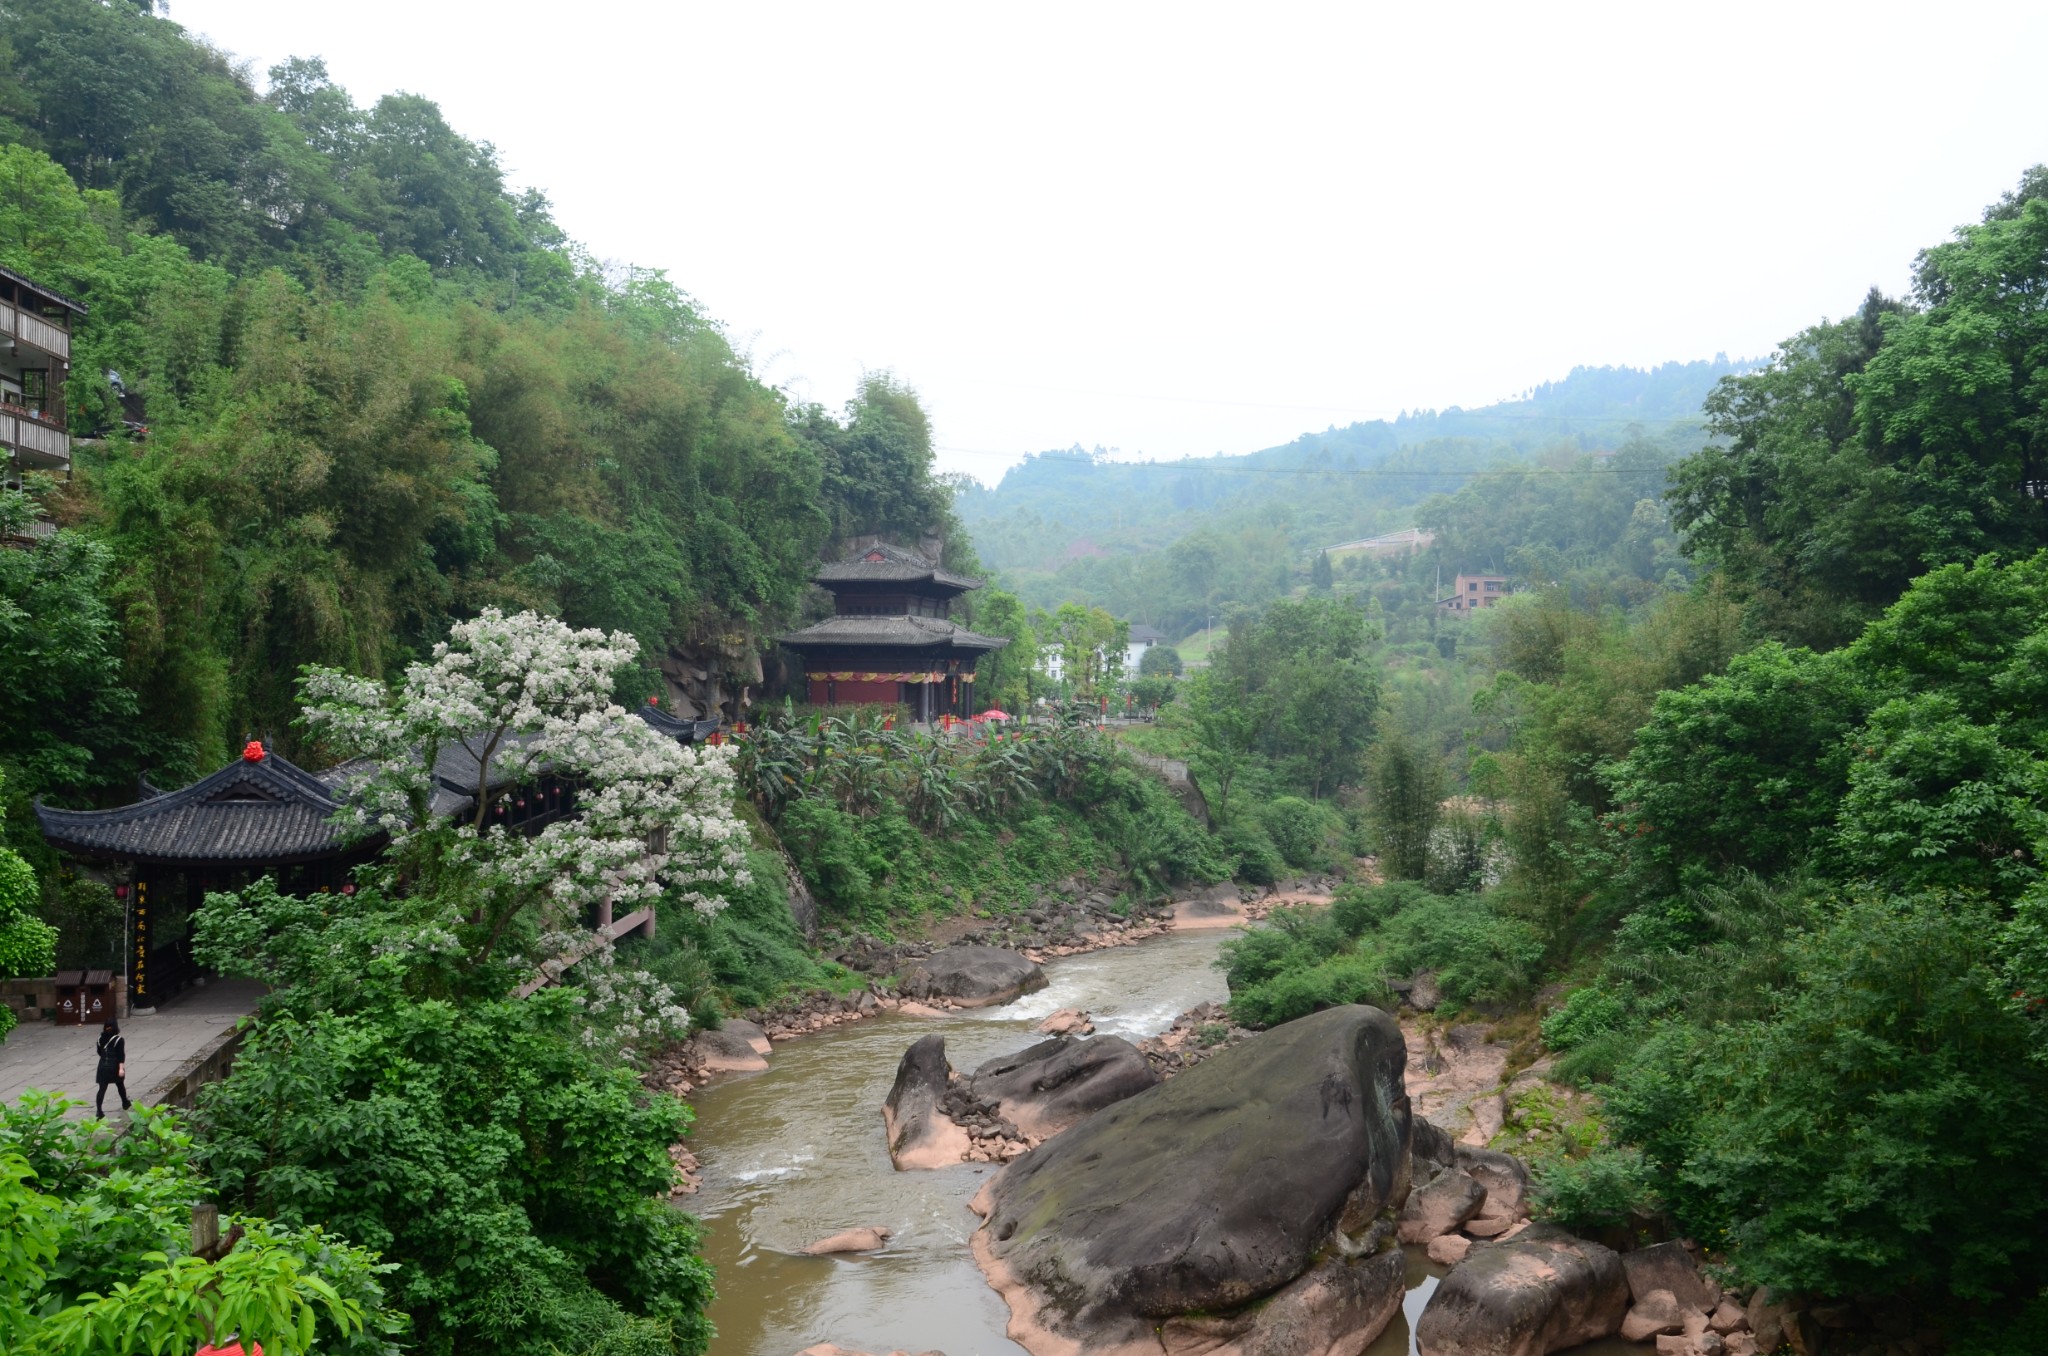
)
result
[(140, 992)]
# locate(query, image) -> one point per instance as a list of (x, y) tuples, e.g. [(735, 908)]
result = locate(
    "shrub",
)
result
[(1308, 834), (1253, 857), (1357, 909), (1332, 982), (1606, 1188), (1479, 953)]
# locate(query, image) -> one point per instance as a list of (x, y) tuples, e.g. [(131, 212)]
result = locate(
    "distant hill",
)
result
[(1068, 524)]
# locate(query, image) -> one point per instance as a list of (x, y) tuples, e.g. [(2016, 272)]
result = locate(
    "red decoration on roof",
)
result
[(252, 752)]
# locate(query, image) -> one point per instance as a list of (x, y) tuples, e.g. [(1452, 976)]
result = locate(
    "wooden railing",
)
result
[(33, 329), (32, 435), (6, 321)]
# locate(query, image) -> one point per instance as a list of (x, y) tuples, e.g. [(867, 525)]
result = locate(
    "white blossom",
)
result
[(527, 694)]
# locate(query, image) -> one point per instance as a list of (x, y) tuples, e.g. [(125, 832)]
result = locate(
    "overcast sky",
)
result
[(1182, 229)]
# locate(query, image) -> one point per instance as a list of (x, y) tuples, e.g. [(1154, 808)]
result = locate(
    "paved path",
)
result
[(62, 1059)]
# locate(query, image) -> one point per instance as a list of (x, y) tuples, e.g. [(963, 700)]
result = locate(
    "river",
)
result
[(797, 1152)]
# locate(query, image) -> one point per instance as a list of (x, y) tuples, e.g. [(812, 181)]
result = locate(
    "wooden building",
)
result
[(891, 639), (35, 360)]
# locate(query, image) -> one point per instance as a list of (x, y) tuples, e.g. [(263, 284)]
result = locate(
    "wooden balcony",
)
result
[(36, 445), (36, 332)]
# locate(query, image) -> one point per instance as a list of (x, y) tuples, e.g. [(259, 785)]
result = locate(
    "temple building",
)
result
[(891, 640), (263, 815)]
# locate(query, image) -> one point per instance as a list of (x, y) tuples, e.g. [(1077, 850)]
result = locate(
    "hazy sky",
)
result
[(1176, 228)]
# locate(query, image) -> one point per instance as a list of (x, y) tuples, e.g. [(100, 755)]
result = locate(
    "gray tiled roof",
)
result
[(266, 811), (272, 810), (886, 564), (894, 632)]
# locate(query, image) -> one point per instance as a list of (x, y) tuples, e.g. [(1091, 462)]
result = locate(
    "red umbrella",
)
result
[(994, 713)]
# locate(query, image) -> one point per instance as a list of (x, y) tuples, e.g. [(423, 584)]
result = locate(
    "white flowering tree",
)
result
[(527, 696)]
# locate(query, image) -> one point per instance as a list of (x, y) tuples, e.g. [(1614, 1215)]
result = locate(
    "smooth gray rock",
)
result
[(1205, 1193), (920, 1134), (1048, 1087), (1539, 1292), (972, 976)]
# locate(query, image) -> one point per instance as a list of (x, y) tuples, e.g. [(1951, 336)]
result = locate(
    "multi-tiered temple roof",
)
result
[(892, 640)]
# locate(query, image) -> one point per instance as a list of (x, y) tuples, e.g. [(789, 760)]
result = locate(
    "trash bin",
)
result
[(70, 997), (97, 992)]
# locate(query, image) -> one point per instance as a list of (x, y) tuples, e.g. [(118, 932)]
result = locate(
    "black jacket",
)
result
[(113, 1054)]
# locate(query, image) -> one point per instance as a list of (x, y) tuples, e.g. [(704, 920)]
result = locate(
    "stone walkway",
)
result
[(61, 1058)]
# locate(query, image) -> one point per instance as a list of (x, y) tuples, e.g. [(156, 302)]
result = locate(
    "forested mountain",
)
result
[(1172, 543), (369, 388)]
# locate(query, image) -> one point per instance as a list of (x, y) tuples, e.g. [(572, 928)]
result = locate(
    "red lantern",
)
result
[(252, 752), (349, 888), (120, 892)]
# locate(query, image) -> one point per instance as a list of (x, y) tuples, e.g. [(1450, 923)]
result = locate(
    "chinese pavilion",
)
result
[(263, 815), (890, 639)]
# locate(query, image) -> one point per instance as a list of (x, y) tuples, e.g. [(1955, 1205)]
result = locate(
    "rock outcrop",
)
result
[(870, 1239), (972, 976), (921, 1135), (1543, 1291), (726, 1050), (1440, 1206), (1046, 1088), (1219, 1188)]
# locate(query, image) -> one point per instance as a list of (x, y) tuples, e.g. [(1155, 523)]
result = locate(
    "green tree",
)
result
[(1404, 796), (1320, 577)]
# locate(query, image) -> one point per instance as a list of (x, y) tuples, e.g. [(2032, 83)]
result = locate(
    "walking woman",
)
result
[(113, 1065)]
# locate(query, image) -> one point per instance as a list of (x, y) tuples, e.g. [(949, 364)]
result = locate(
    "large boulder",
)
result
[(1201, 1195), (1505, 1177), (1338, 1306), (726, 1050), (1440, 1205), (920, 1134), (1539, 1292), (1668, 1266), (1046, 1088), (972, 976), (872, 1238)]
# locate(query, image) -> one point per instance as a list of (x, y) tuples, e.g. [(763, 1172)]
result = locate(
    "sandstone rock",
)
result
[(1739, 1343), (726, 1051), (1543, 1292), (1768, 1318), (1067, 1022), (750, 1032), (1655, 1313), (972, 976), (1424, 994), (1051, 1085), (1489, 1226), (1726, 1317), (1668, 1266), (1448, 1250), (1433, 1146), (1207, 1192), (1505, 1177), (1440, 1206), (920, 1134), (834, 1349), (1217, 906), (851, 1240), (1334, 1309)]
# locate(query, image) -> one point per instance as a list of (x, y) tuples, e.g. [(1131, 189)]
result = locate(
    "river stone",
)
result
[(851, 1240), (920, 1134), (1334, 1309), (1505, 1177), (1668, 1266), (972, 976), (1440, 1206), (726, 1051), (1202, 1194), (1051, 1085), (1541, 1292), (750, 1032), (1652, 1314)]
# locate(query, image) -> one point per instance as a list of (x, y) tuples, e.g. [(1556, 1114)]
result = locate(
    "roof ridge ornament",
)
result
[(252, 752)]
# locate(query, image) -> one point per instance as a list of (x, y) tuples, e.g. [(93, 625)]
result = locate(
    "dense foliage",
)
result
[(98, 1256)]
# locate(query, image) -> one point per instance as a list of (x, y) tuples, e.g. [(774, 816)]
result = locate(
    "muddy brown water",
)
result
[(797, 1152)]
